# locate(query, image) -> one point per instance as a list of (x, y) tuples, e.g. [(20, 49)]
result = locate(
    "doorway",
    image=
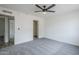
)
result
[(35, 29)]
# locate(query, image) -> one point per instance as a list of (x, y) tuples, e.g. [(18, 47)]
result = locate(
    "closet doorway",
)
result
[(6, 30), (35, 29)]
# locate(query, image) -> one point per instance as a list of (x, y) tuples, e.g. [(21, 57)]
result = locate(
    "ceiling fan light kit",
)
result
[(44, 13)]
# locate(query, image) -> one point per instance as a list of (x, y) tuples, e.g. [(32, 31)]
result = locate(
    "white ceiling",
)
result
[(30, 8)]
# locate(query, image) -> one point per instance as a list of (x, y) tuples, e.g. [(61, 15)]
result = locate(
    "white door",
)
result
[(6, 30)]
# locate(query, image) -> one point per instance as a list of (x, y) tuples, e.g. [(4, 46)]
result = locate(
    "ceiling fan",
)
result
[(45, 9)]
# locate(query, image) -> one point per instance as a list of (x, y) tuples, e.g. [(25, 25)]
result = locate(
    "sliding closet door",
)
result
[(11, 32), (6, 30), (4, 35)]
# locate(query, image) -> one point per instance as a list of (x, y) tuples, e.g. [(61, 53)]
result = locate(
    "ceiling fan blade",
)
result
[(38, 11), (51, 6), (50, 11), (39, 6)]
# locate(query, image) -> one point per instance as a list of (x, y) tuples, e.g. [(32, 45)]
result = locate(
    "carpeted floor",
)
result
[(41, 47)]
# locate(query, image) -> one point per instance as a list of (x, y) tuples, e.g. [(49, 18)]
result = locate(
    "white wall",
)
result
[(25, 24), (64, 27)]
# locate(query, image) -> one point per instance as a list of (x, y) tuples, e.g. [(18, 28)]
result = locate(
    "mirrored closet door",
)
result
[(6, 30)]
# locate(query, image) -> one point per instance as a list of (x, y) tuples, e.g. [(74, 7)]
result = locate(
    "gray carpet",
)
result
[(41, 47)]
